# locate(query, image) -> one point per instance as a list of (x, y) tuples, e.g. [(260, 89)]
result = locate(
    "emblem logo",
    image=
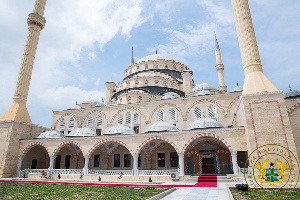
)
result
[(274, 169)]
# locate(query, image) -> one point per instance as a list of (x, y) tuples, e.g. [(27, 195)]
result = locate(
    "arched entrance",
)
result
[(207, 155), (36, 158), (69, 156)]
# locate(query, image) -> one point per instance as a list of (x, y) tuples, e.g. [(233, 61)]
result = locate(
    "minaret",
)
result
[(255, 79), (36, 22), (220, 68), (132, 59)]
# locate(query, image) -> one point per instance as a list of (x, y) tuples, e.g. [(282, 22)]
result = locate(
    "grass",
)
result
[(57, 191), (257, 194)]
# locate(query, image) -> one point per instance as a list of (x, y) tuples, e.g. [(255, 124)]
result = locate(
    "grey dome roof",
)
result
[(155, 57), (76, 107), (81, 132), (100, 105), (203, 86), (119, 129), (90, 100), (203, 92), (292, 94), (50, 134), (237, 89), (167, 96), (144, 75), (162, 127), (205, 123)]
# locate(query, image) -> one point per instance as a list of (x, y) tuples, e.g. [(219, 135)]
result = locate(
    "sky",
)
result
[(86, 43)]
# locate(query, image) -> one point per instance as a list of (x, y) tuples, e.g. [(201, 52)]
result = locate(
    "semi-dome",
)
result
[(161, 127), (203, 86), (81, 132), (167, 96), (203, 93), (119, 129), (292, 94), (90, 100), (237, 89), (50, 134), (156, 57), (205, 123)]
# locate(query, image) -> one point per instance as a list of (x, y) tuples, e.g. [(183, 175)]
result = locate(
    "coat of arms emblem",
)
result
[(271, 175)]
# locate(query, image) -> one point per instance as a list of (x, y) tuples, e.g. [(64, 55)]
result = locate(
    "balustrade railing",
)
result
[(155, 172), (67, 171), (243, 170), (111, 172)]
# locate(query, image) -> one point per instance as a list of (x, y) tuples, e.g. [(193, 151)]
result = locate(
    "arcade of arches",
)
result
[(205, 155)]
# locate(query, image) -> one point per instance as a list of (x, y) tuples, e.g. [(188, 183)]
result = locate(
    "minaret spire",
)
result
[(220, 68), (36, 22), (132, 59), (255, 80)]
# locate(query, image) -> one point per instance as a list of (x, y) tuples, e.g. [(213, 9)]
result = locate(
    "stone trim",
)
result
[(30, 146), (57, 149), (102, 142)]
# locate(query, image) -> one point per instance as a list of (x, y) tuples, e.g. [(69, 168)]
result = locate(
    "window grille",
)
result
[(62, 124), (156, 83), (99, 121), (129, 100), (89, 122), (128, 118), (146, 66), (138, 68), (120, 119), (146, 82), (156, 66), (212, 111), (140, 99), (128, 84), (166, 66), (174, 66), (197, 113), (165, 84), (71, 123), (172, 115), (159, 116), (136, 83), (136, 118)]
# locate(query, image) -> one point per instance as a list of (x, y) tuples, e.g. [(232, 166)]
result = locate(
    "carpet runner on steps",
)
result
[(206, 181)]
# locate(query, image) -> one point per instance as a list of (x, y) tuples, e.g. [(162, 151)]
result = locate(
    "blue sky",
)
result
[(88, 42)]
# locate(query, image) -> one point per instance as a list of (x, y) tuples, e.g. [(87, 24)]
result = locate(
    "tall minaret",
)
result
[(36, 22), (220, 68), (132, 59), (255, 79)]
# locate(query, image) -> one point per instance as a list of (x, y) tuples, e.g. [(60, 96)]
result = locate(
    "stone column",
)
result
[(86, 164), (135, 165), (21, 158), (52, 159), (234, 162), (255, 80), (181, 164)]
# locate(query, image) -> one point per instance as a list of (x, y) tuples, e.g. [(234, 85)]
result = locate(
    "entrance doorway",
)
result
[(208, 166)]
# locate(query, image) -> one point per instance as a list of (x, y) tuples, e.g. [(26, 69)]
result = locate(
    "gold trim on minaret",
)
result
[(36, 22), (255, 80)]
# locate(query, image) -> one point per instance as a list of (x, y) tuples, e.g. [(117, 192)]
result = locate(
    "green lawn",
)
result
[(57, 191), (257, 194)]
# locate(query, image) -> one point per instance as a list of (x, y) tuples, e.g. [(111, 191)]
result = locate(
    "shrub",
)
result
[(99, 179), (150, 180), (243, 187), (58, 176)]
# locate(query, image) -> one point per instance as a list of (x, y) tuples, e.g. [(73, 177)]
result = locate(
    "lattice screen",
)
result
[(212, 111), (99, 121), (120, 119), (128, 118), (62, 124), (172, 115), (89, 122), (159, 116), (197, 113), (136, 118), (71, 123)]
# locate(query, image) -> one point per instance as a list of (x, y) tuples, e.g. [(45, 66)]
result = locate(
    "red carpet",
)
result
[(206, 181)]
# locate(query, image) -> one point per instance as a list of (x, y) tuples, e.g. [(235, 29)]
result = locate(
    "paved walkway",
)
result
[(195, 193)]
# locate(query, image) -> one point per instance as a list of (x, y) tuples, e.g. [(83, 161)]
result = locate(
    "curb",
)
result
[(228, 191), (161, 195)]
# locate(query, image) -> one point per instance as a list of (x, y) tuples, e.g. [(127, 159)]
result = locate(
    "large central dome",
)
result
[(155, 57)]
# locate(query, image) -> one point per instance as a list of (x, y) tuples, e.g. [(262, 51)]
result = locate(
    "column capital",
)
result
[(87, 156), (233, 152)]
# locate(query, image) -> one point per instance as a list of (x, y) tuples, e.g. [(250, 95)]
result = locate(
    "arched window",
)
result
[(120, 119), (136, 83), (62, 124), (129, 99), (71, 123), (156, 82), (197, 113), (146, 66), (128, 118), (156, 66), (212, 111), (89, 122), (159, 116), (174, 67), (165, 84), (128, 84), (172, 116), (140, 99), (99, 121), (137, 68), (136, 123), (166, 66), (146, 82)]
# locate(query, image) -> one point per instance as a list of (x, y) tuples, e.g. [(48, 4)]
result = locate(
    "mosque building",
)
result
[(155, 122)]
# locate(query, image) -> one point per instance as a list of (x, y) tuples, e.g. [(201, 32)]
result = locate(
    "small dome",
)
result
[(205, 123), (292, 94), (162, 127), (165, 97), (203, 86), (50, 134), (136, 91), (90, 100), (203, 93), (100, 105), (76, 107), (155, 57), (81, 132), (119, 129), (237, 89)]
